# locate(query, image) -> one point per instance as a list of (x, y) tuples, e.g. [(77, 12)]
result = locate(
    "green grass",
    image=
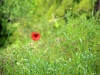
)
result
[(70, 48)]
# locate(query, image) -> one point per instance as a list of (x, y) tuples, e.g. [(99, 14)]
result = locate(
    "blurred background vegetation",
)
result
[(24, 11)]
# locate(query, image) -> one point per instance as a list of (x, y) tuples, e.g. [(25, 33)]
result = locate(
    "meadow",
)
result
[(68, 45)]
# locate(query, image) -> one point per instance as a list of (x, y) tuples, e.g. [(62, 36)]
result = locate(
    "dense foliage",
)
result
[(12, 11)]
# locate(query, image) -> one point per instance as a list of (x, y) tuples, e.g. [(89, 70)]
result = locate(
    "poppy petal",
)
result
[(35, 36)]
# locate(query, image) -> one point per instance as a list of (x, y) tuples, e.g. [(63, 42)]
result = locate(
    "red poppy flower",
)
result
[(35, 36)]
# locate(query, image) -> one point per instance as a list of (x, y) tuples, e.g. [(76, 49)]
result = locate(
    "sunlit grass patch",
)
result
[(69, 50)]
